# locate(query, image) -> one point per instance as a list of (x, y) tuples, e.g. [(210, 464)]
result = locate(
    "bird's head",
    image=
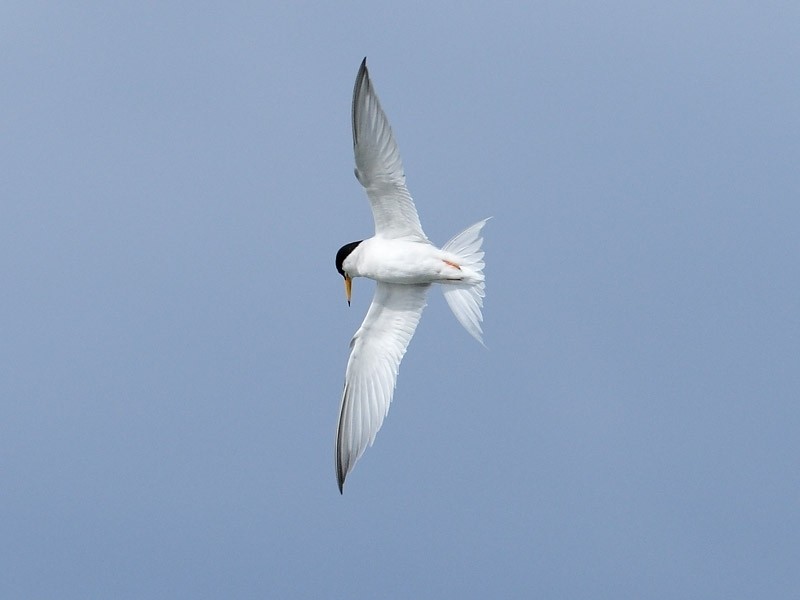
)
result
[(341, 256)]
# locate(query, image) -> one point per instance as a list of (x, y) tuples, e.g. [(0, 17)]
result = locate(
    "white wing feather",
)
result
[(375, 354), (378, 165)]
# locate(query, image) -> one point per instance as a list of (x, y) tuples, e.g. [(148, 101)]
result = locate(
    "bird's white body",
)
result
[(405, 264)]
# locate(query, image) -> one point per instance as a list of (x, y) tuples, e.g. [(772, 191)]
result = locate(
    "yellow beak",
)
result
[(348, 288)]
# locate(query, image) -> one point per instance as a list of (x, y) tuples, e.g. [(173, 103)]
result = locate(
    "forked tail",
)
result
[(466, 299)]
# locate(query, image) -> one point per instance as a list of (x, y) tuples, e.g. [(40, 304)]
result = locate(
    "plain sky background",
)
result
[(176, 180)]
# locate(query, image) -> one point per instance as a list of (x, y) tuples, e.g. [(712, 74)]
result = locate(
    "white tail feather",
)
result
[(466, 299)]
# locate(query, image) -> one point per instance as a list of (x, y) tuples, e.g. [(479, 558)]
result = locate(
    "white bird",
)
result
[(404, 263)]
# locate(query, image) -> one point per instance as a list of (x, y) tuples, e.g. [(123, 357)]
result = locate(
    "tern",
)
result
[(404, 263)]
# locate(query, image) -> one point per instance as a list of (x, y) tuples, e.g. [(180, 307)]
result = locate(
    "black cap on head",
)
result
[(343, 253)]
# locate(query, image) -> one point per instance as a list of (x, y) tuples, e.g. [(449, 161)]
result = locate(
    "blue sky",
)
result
[(176, 181)]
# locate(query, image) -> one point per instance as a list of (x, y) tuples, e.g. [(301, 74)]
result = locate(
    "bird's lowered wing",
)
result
[(375, 354)]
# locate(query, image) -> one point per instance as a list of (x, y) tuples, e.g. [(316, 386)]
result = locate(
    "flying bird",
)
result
[(404, 263)]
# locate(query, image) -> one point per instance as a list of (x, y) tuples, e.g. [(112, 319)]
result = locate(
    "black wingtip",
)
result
[(363, 74), (341, 468), (362, 69), (340, 477)]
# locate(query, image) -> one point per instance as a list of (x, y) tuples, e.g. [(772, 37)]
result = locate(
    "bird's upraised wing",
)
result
[(375, 354), (378, 165)]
